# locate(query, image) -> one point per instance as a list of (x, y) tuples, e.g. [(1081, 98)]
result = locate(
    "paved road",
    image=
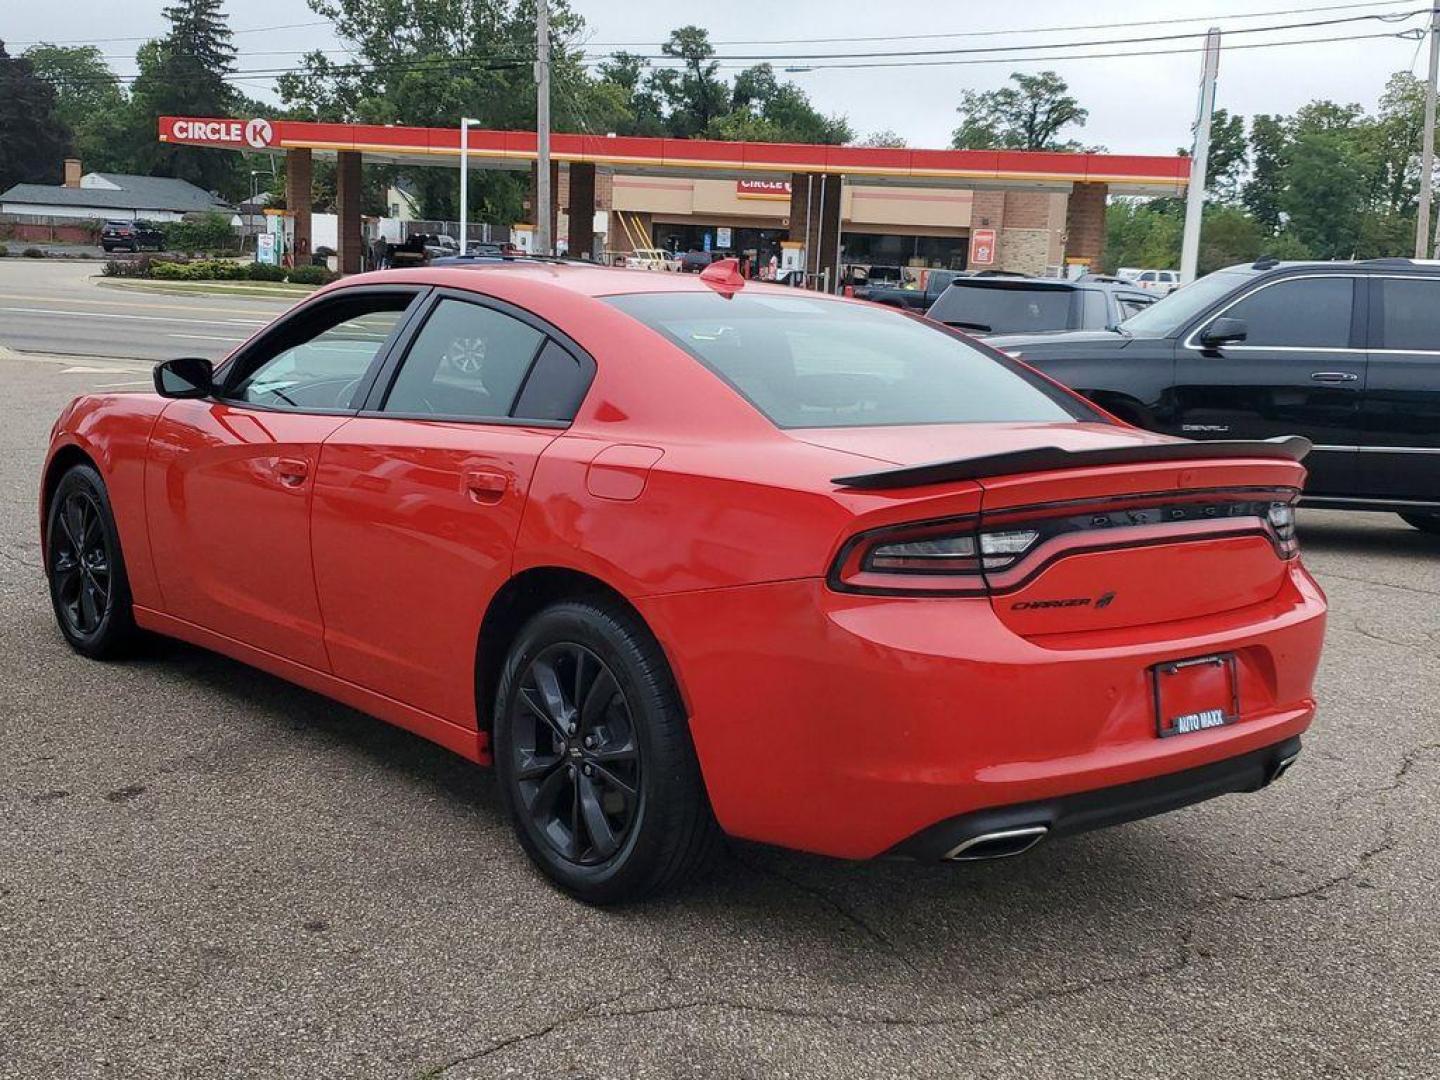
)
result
[(60, 308), (205, 872)]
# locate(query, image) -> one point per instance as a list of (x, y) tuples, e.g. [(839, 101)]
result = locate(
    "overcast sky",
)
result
[(1137, 104)]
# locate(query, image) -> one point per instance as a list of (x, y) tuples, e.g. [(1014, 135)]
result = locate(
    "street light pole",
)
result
[(1427, 141), (1199, 159), (543, 239), (465, 123)]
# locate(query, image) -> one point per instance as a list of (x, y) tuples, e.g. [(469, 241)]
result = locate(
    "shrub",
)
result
[(312, 275), (4, 251), (168, 271), (200, 232), (265, 272), (33, 253)]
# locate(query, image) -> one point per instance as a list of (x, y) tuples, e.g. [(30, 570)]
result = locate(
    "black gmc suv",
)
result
[(1344, 353)]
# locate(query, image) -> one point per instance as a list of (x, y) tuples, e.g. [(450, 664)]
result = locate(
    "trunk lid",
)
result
[(1158, 529)]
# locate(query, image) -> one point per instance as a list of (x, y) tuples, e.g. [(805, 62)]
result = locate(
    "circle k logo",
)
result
[(258, 133)]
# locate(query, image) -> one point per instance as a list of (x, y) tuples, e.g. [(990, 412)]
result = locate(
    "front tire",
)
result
[(89, 589), (1426, 523), (596, 767)]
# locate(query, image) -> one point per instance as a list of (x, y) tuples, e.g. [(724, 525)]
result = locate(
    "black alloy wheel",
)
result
[(88, 586), (574, 754), (80, 564), (596, 766)]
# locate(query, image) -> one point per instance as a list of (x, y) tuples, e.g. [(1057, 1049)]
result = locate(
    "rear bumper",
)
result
[(845, 724), (1020, 827)]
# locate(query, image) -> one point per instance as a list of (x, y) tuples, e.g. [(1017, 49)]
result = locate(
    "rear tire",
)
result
[(1426, 523), (89, 589), (586, 711)]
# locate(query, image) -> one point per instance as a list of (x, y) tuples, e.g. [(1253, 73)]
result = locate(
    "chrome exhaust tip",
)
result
[(998, 845), (1283, 766)]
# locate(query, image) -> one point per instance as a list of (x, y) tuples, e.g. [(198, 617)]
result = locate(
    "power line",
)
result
[(149, 37), (801, 57), (1027, 30)]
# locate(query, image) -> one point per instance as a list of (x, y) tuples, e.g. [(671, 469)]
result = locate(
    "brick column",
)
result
[(581, 210), (299, 174), (347, 198), (1085, 223)]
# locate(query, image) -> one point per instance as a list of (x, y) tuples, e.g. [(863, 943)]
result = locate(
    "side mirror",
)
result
[(1224, 331), (187, 377)]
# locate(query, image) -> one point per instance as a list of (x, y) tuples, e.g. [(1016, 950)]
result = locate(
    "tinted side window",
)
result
[(316, 360), (1411, 317), (1308, 313), (1096, 312), (554, 388), (467, 361), (1132, 305)]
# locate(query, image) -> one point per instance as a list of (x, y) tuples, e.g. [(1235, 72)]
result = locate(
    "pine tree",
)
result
[(183, 74), (33, 141)]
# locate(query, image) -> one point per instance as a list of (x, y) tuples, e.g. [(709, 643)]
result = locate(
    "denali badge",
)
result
[(1102, 601)]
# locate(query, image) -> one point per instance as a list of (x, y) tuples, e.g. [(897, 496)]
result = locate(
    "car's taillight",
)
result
[(943, 556), (1281, 516)]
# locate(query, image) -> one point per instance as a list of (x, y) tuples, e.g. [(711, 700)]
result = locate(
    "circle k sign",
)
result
[(258, 133)]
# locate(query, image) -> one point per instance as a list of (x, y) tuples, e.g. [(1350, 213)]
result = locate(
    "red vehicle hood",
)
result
[(920, 443)]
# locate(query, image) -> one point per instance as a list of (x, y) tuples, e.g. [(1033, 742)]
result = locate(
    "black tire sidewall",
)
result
[(669, 776), (117, 628)]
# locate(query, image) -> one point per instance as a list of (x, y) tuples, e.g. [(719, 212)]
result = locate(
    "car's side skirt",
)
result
[(465, 741)]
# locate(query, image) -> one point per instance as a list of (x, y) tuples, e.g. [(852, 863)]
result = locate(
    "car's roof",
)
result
[(586, 279)]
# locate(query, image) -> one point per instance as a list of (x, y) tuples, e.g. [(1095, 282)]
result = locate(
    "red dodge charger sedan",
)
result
[(688, 556)]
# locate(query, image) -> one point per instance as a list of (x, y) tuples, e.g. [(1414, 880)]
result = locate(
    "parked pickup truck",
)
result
[(913, 298)]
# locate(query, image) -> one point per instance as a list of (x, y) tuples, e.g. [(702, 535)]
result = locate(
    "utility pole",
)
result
[(465, 123), (1199, 159), (1427, 143), (543, 239)]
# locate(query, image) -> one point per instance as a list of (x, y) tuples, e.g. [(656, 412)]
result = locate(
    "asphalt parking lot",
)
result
[(205, 872)]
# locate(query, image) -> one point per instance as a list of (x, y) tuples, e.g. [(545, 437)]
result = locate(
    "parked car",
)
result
[(685, 556), (134, 235), (918, 297), (692, 262), (999, 305), (1344, 353), (1160, 282), (440, 246)]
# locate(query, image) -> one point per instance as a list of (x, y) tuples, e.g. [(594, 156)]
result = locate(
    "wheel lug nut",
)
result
[(571, 770), (589, 770), (589, 741), (572, 729)]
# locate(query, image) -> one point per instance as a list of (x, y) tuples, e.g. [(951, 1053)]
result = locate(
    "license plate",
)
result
[(1197, 694)]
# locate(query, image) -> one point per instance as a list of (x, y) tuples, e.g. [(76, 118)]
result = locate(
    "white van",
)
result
[(1162, 282)]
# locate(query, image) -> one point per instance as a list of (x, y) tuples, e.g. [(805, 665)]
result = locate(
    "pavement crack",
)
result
[(880, 940), (1382, 584), (1357, 628)]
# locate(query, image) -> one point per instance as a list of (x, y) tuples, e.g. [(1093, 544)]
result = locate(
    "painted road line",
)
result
[(207, 337), (109, 315), (92, 302)]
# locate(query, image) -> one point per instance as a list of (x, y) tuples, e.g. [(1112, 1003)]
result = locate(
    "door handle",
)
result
[(486, 485), (1334, 376), (292, 471)]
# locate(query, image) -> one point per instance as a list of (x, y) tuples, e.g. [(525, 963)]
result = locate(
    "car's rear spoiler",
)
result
[(1047, 458)]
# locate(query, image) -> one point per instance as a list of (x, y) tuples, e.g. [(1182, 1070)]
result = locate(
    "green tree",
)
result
[(184, 74), (694, 95), (626, 76), (1261, 193), (763, 109), (89, 102), (33, 140), (1324, 198), (1026, 116), (1229, 151), (886, 139)]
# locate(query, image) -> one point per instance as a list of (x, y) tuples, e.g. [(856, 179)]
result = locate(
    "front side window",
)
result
[(1410, 314), (1132, 305), (1303, 313), (810, 362), (467, 361), (316, 361)]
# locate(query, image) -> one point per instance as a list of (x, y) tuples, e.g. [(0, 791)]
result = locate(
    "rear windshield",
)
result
[(810, 362), (1006, 309)]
